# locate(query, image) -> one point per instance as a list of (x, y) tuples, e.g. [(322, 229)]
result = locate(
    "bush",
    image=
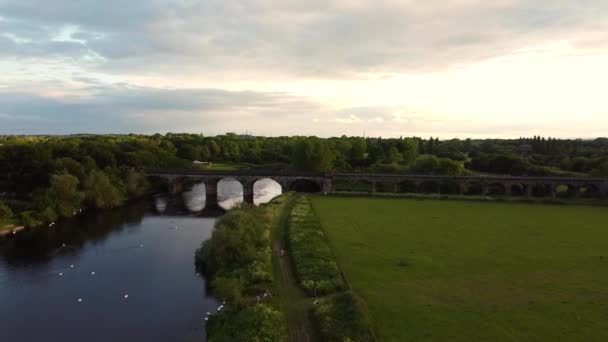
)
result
[(256, 323), (229, 289), (238, 255), (344, 317), (5, 212), (239, 247), (28, 219), (314, 263)]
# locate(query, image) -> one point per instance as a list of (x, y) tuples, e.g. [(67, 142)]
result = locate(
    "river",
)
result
[(126, 274)]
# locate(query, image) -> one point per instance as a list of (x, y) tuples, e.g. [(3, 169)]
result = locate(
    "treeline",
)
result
[(237, 260), (29, 164), (44, 179)]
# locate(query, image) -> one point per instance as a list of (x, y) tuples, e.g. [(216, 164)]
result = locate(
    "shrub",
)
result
[(230, 289), (314, 263), (5, 212), (344, 317), (256, 323), (28, 219)]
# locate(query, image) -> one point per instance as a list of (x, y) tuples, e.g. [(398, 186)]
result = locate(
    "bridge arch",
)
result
[(497, 189), (407, 186), (590, 190), (265, 189), (230, 192), (429, 187), (304, 185)]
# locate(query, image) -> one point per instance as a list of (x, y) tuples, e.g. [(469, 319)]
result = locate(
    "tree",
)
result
[(425, 164), (449, 167), (393, 156), (409, 150), (313, 154), (136, 183), (101, 192), (64, 190), (72, 167), (5, 211)]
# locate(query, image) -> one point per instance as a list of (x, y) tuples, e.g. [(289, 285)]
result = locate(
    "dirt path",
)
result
[(294, 302)]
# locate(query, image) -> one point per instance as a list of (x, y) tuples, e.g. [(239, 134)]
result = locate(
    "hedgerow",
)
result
[(343, 317), (314, 264)]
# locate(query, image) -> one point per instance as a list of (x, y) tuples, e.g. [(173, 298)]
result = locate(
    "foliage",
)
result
[(315, 266), (344, 317), (313, 154), (5, 211), (27, 163), (28, 219), (100, 191), (67, 197), (240, 246), (256, 323), (237, 260)]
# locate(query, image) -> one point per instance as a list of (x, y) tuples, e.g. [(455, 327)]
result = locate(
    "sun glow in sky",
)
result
[(459, 68)]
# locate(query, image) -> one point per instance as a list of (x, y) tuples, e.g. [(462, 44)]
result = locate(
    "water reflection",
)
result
[(101, 257), (195, 198), (229, 193)]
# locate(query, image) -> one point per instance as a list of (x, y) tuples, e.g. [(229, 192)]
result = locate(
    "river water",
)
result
[(119, 275)]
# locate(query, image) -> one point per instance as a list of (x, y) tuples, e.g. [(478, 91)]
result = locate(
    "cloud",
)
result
[(326, 67), (321, 39), (124, 109)]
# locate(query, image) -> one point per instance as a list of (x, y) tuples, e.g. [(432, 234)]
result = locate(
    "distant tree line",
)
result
[(46, 177)]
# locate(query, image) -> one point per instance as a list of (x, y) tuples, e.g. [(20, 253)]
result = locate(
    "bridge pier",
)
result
[(552, 190), (211, 192), (529, 190), (175, 186), (248, 193), (508, 189)]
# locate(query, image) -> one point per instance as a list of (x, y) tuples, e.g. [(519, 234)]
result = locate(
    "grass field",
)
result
[(468, 271)]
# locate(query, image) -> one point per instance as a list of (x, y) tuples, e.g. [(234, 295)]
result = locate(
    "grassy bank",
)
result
[(237, 261), (472, 271)]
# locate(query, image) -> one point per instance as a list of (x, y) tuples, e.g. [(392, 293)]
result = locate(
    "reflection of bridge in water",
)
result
[(397, 183)]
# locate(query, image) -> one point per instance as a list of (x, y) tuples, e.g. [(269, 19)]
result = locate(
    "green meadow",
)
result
[(433, 270)]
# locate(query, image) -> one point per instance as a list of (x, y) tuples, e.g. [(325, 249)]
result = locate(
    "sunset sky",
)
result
[(447, 68)]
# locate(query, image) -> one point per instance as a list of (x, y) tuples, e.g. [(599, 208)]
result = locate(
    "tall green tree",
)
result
[(5, 211), (313, 154), (64, 190), (101, 192)]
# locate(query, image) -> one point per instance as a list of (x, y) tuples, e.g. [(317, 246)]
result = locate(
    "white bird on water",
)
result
[(92, 273), (79, 300), (71, 266), (60, 274), (126, 296)]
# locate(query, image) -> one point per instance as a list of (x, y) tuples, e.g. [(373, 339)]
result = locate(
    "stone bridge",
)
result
[(296, 181), (373, 182)]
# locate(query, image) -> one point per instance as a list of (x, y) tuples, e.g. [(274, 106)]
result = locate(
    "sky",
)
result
[(442, 68)]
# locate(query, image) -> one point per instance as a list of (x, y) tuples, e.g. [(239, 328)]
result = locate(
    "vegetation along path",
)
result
[(293, 301)]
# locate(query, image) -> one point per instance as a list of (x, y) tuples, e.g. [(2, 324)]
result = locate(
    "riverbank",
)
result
[(238, 262), (8, 229)]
